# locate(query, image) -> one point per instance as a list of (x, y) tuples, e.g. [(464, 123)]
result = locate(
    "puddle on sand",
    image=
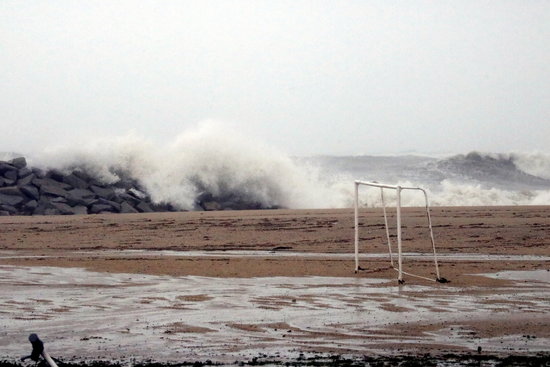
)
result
[(116, 316), (277, 254), (526, 275)]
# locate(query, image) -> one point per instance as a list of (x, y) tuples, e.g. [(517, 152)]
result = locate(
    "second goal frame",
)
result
[(398, 190)]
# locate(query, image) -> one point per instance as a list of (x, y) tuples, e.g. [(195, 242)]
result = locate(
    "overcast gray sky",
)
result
[(308, 77)]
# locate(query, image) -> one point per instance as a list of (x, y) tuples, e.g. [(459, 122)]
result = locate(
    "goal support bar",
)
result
[(398, 190)]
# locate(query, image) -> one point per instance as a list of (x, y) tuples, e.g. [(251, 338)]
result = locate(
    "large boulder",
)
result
[(211, 205), (12, 200), (52, 211), (132, 199), (75, 181), (11, 175), (63, 208), (100, 208), (81, 197), (10, 190), (19, 162), (55, 199), (113, 204), (39, 182), (8, 208), (104, 192), (24, 172), (39, 210), (125, 207), (30, 191), (143, 207), (55, 175), (51, 187), (80, 210), (84, 176), (5, 167), (7, 182), (30, 206), (27, 180), (38, 172)]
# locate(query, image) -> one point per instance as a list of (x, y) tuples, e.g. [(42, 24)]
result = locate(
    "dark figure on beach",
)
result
[(37, 348)]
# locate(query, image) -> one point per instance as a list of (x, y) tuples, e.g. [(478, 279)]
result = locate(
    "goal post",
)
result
[(398, 189)]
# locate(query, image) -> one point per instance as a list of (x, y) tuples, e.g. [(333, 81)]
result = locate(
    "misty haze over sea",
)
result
[(224, 163)]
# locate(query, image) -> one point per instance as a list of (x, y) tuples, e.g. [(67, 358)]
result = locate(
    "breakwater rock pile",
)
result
[(33, 191)]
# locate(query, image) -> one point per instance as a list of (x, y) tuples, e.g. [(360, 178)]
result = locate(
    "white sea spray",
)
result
[(223, 162)]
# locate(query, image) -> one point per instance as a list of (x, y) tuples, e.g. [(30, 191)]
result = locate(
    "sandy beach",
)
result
[(234, 284)]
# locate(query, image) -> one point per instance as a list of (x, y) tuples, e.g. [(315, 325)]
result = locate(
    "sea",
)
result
[(229, 164)]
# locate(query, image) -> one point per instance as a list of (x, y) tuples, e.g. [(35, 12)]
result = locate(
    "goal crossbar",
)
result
[(398, 190)]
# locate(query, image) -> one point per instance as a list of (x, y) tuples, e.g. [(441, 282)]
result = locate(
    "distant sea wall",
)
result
[(32, 191)]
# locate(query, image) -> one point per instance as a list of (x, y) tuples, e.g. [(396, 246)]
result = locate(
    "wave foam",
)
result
[(212, 158)]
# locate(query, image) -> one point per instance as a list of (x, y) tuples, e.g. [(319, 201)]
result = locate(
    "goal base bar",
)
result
[(398, 190)]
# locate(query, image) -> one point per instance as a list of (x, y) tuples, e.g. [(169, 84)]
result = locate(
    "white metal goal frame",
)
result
[(398, 190)]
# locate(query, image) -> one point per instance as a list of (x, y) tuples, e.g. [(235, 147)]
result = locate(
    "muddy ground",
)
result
[(227, 286)]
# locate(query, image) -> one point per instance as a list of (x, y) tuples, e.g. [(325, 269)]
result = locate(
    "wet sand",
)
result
[(497, 259)]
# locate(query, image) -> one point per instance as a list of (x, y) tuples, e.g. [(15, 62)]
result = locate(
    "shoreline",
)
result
[(285, 282)]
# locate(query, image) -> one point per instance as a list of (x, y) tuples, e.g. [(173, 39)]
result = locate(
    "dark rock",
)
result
[(31, 205), (125, 207), (56, 199), (5, 167), (162, 207), (98, 208), (63, 208), (129, 198), (82, 175), (85, 202), (75, 181), (24, 172), (137, 193), (19, 162), (116, 206), (55, 175), (211, 205), (10, 190), (52, 211), (30, 191), (10, 199), (40, 210), (44, 201), (38, 172), (11, 175), (48, 181), (27, 180), (81, 197), (51, 187), (97, 183), (80, 210), (232, 205), (8, 208), (82, 193), (4, 213), (204, 197), (106, 193), (143, 207), (126, 183), (53, 190)]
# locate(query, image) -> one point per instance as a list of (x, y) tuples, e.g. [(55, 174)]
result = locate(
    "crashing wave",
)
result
[(215, 168)]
